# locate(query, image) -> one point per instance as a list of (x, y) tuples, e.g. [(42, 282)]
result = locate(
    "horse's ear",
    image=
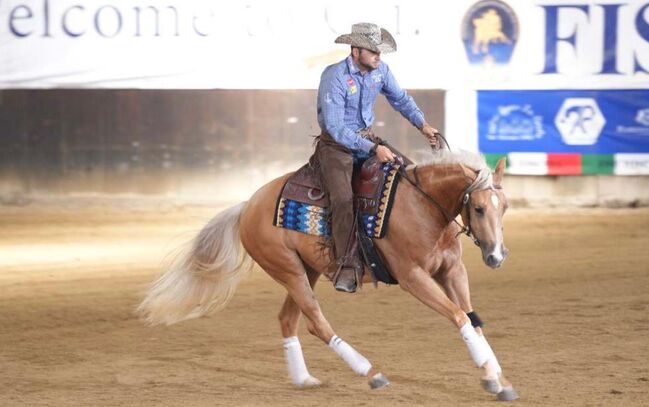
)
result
[(500, 170)]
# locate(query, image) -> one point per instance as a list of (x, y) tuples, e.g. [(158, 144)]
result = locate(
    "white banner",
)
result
[(255, 44)]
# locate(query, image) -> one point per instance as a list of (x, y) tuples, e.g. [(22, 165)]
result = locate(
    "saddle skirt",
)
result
[(303, 204)]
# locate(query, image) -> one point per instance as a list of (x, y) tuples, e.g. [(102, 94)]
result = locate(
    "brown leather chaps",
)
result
[(336, 169)]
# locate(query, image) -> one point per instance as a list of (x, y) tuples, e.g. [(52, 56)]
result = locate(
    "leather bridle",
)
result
[(466, 198)]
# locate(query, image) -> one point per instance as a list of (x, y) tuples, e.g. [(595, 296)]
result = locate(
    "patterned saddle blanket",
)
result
[(303, 204)]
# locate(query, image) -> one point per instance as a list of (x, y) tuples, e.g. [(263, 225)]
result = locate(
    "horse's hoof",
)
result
[(309, 383), (508, 394), (492, 386), (379, 381)]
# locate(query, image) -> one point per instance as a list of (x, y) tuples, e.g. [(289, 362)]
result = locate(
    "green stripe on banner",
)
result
[(597, 164), (492, 160)]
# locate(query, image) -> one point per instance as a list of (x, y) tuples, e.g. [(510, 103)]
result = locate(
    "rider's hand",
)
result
[(431, 135), (384, 154)]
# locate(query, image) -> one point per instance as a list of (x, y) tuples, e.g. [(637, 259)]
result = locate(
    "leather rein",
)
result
[(466, 197), (464, 229)]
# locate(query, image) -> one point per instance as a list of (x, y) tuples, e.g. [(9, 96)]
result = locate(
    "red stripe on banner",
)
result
[(564, 164)]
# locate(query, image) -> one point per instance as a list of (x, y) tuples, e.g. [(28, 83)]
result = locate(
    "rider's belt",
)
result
[(366, 133)]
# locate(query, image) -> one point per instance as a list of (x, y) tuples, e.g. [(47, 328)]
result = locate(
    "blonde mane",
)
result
[(471, 160)]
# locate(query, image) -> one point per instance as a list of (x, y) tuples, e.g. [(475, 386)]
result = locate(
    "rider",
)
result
[(346, 96)]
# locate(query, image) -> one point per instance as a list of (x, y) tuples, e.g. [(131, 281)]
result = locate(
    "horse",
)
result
[(421, 248)]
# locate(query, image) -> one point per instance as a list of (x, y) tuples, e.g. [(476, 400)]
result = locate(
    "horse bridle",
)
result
[(466, 198)]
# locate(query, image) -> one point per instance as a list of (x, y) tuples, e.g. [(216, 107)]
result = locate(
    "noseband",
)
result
[(465, 205), (466, 229)]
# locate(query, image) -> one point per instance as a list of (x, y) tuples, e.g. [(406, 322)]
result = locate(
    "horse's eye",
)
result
[(479, 210)]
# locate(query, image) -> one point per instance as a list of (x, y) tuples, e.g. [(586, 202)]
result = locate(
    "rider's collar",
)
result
[(353, 69)]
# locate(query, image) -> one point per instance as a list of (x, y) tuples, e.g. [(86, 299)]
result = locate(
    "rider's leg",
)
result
[(336, 164)]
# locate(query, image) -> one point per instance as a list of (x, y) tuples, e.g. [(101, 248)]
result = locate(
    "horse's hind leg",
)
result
[(301, 294), (289, 318), (455, 282)]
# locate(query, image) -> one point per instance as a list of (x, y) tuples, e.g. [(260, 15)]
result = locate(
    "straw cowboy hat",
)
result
[(369, 36)]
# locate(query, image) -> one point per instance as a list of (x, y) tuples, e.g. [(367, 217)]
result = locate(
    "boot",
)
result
[(347, 277), (350, 269)]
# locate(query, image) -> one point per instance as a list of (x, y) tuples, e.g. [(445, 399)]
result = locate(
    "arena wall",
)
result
[(580, 190), (185, 144), (213, 145)]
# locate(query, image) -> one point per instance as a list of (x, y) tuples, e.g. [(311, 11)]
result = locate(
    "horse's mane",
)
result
[(471, 160)]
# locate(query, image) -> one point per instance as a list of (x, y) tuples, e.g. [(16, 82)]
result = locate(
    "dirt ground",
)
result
[(567, 315)]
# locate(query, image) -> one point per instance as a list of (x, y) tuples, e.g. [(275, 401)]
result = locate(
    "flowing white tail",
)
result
[(203, 277)]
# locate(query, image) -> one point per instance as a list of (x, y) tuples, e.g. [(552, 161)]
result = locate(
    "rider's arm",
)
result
[(331, 112), (400, 100)]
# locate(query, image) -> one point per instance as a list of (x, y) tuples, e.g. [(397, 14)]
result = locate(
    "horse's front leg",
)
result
[(419, 283), (455, 282)]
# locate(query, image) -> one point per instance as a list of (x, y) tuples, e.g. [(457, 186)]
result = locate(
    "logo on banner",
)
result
[(642, 117), (489, 33), (580, 121), (515, 122)]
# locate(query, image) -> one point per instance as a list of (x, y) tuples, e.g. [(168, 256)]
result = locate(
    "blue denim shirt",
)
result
[(346, 102)]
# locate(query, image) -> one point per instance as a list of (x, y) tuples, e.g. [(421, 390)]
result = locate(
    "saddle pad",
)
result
[(302, 217), (375, 223), (313, 220)]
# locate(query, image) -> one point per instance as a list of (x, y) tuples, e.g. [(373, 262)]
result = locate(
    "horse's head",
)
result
[(483, 213)]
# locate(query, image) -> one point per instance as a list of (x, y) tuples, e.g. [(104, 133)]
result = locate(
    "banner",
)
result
[(573, 164), (285, 44), (566, 132), (561, 121)]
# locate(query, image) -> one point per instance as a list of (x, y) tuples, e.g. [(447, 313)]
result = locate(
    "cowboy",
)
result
[(346, 97)]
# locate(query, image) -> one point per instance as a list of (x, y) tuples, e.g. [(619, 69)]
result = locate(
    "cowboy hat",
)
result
[(369, 36)]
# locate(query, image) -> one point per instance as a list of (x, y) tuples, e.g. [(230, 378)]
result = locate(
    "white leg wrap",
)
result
[(492, 364), (479, 349), (295, 361), (355, 360)]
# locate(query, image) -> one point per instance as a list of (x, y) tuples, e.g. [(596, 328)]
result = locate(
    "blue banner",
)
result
[(564, 121)]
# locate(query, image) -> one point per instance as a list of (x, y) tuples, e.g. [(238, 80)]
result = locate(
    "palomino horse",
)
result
[(421, 243)]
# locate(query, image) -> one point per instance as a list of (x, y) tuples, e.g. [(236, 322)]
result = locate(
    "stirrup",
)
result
[(345, 282)]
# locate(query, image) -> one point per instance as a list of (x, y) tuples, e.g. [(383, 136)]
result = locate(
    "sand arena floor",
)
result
[(567, 315)]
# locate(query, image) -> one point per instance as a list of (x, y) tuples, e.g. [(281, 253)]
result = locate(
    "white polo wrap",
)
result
[(479, 349), (493, 362), (297, 370), (355, 360)]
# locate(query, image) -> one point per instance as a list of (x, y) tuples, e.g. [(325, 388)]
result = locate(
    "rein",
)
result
[(465, 202), (464, 229)]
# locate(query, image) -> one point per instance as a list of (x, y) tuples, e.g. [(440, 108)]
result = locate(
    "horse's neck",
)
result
[(446, 183)]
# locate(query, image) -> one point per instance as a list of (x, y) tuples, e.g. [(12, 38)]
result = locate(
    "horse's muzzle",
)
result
[(495, 257)]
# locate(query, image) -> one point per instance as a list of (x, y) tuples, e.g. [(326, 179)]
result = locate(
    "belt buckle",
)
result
[(366, 133)]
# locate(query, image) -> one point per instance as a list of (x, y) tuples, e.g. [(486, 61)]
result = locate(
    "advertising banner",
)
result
[(285, 44), (566, 131), (564, 121)]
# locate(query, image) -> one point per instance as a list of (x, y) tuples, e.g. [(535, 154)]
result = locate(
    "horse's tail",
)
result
[(203, 276)]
